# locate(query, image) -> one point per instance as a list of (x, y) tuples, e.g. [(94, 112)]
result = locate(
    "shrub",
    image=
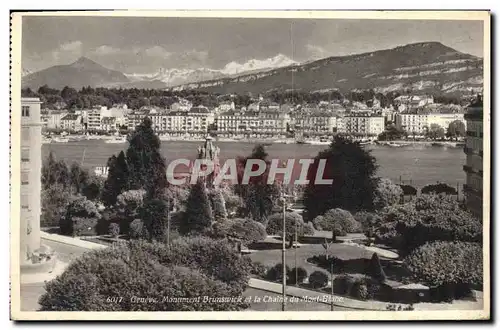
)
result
[(453, 267), (141, 269), (114, 229), (246, 230), (136, 229), (368, 222), (318, 279), (429, 218), (342, 284), (375, 269), (308, 228), (359, 290), (258, 269), (83, 226), (297, 275), (80, 219), (440, 188), (386, 194), (408, 190), (275, 273), (293, 220), (339, 217)]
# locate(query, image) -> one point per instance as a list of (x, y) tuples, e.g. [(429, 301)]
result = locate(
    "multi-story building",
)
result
[(109, 124), (72, 122), (52, 118), (31, 172), (473, 189), (363, 124), (134, 119), (253, 122), (314, 123), (94, 120), (197, 120), (419, 123)]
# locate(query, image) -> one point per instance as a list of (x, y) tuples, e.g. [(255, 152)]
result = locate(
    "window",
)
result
[(25, 178), (25, 155), (25, 111), (25, 134), (25, 202)]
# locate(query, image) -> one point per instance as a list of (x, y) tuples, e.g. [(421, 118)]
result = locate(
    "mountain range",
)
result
[(426, 66)]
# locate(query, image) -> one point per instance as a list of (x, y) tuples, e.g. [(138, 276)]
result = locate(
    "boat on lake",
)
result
[(61, 140), (117, 139)]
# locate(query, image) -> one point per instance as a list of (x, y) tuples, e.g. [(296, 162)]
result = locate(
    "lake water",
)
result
[(420, 164)]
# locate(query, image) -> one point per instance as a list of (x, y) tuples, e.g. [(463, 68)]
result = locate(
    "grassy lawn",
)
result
[(272, 257)]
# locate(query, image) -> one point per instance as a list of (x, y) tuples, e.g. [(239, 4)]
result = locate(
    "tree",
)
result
[(246, 230), (427, 219), (293, 222), (451, 269), (128, 207), (154, 215), (435, 132), (54, 172), (146, 166), (117, 180), (198, 216), (55, 200), (81, 218), (218, 205), (78, 177), (456, 129), (258, 196), (439, 188), (375, 269), (337, 219), (352, 169), (387, 193)]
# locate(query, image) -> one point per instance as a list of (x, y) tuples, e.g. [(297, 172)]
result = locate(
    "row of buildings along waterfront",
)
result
[(263, 118)]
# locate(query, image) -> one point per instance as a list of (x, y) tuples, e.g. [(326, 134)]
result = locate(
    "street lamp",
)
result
[(283, 256), (327, 254), (283, 303)]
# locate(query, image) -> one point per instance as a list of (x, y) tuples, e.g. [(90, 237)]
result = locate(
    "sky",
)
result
[(143, 45)]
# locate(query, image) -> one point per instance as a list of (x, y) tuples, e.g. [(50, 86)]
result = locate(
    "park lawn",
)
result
[(342, 251)]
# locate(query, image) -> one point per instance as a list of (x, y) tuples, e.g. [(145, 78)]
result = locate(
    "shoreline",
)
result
[(395, 143)]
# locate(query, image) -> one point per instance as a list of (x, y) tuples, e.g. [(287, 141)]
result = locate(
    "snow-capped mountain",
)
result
[(278, 61), (175, 77), (25, 72)]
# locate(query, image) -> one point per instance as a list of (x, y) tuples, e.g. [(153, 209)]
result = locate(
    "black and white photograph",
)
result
[(260, 165)]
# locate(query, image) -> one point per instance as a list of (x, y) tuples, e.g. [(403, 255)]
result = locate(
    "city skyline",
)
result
[(141, 45)]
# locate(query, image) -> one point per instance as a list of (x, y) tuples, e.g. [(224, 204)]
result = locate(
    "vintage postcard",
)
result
[(260, 165)]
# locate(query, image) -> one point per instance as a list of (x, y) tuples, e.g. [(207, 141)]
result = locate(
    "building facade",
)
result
[(473, 189), (252, 122), (72, 122), (31, 172), (419, 123), (363, 124)]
